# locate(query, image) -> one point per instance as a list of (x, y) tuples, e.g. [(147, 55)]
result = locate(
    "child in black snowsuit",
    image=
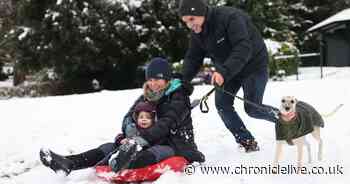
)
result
[(145, 116)]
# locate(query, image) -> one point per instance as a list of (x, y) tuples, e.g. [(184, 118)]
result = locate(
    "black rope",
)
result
[(258, 106), (203, 102)]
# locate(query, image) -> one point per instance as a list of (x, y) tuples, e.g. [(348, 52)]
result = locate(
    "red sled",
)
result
[(149, 173)]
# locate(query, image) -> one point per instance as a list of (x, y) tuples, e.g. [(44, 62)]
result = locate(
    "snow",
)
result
[(138, 28), (341, 16), (207, 61), (135, 3), (7, 69), (76, 123), (131, 3), (125, 7), (25, 32), (120, 23), (86, 11), (88, 39), (161, 28), (52, 14), (74, 13), (59, 2), (83, 29), (301, 6), (141, 47), (55, 15), (272, 46)]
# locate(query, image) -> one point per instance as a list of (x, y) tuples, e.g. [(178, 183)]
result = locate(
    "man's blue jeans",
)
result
[(253, 89)]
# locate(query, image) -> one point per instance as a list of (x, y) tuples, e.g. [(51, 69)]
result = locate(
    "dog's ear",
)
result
[(295, 99)]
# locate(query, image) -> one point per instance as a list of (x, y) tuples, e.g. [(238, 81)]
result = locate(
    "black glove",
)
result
[(122, 158), (118, 139)]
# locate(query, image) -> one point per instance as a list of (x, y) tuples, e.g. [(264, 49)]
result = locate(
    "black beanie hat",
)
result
[(144, 107), (192, 7), (158, 68)]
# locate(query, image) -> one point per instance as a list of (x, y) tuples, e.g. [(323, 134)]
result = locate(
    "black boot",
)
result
[(86, 159), (123, 156), (72, 162), (55, 162), (249, 145)]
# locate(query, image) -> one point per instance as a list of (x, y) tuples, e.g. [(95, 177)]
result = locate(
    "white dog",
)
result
[(298, 119)]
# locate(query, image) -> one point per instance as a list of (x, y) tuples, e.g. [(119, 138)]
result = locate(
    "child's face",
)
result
[(144, 119)]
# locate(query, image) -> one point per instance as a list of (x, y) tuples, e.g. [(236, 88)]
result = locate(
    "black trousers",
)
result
[(100, 156)]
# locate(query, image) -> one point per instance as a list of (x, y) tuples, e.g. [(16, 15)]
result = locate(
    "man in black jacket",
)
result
[(229, 38)]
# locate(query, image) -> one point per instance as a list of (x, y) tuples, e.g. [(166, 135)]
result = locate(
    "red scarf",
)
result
[(288, 116)]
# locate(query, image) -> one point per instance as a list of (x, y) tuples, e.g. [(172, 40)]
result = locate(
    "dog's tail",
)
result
[(327, 115)]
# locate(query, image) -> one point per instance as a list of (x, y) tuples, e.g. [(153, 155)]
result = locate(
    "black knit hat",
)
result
[(144, 107), (192, 7), (158, 68)]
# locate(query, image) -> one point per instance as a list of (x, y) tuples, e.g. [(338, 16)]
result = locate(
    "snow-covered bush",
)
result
[(288, 65), (2, 74), (29, 90)]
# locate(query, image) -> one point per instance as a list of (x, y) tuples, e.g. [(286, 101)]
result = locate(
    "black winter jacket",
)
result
[(173, 126), (231, 40)]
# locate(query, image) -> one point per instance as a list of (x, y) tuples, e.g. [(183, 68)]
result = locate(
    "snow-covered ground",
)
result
[(76, 123)]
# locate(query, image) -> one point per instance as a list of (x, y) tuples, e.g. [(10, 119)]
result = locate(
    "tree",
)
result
[(82, 40), (269, 16), (7, 51), (108, 40), (288, 20), (160, 29)]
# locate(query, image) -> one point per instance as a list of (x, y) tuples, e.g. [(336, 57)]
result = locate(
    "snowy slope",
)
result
[(72, 124)]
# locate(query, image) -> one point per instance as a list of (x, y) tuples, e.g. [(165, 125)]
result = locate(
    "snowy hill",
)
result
[(72, 124)]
